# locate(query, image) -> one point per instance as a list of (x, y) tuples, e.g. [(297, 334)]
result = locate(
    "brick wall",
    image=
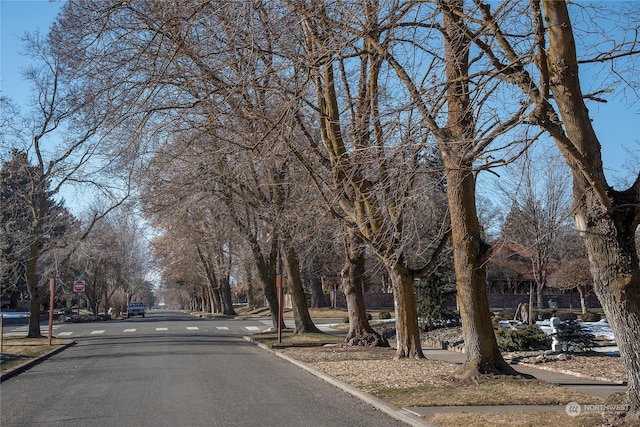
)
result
[(496, 301)]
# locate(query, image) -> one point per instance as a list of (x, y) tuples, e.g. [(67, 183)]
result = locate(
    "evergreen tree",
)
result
[(20, 205)]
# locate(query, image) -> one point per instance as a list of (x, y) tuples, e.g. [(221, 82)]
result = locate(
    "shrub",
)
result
[(543, 314), (495, 321), (505, 314), (567, 316), (576, 338), (590, 316), (384, 315), (527, 338)]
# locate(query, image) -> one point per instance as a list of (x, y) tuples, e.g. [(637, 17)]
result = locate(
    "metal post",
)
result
[(52, 291), (1, 332), (280, 303)]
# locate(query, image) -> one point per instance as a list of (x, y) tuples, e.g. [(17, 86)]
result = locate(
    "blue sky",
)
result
[(617, 123), (16, 18)]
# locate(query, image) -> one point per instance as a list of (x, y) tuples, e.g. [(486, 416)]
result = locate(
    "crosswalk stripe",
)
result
[(64, 334), (192, 328), (162, 329), (129, 330), (252, 328), (222, 328), (98, 332)]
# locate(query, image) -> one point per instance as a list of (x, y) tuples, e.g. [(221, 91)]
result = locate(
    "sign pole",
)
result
[(280, 298), (78, 287), (52, 291)]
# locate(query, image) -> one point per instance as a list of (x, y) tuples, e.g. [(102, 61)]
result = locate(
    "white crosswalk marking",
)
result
[(162, 329), (98, 332), (64, 334), (252, 328), (222, 328), (192, 328), (129, 330)]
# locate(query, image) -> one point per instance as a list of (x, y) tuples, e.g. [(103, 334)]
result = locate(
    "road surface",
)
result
[(171, 369)]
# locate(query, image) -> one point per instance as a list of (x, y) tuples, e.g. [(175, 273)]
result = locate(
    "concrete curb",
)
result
[(33, 362), (399, 414)]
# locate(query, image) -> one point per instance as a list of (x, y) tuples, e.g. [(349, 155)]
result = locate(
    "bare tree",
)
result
[(540, 205), (371, 157), (65, 139), (458, 112), (574, 274), (181, 88), (548, 70)]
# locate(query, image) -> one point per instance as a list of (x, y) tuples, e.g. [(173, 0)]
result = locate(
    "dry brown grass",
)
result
[(289, 339), (22, 350), (426, 382), (490, 391), (541, 419)]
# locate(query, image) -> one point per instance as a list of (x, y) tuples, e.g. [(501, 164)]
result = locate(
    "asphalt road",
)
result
[(170, 369)]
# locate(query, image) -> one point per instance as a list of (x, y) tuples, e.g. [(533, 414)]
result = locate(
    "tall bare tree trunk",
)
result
[(407, 329), (33, 287), (583, 302), (227, 302), (614, 265), (302, 319), (212, 295), (217, 300), (267, 274), (470, 252), (360, 331), (317, 295)]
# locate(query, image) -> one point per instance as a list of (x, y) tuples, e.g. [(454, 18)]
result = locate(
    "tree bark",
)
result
[(302, 319), (482, 353), (33, 287), (317, 294), (226, 297), (360, 331), (216, 302), (212, 282), (267, 274), (540, 295), (583, 302), (614, 264), (407, 329)]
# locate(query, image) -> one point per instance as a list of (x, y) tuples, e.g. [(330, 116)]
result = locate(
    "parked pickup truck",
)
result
[(135, 309)]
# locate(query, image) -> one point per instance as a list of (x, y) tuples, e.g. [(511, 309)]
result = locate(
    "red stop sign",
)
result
[(78, 286)]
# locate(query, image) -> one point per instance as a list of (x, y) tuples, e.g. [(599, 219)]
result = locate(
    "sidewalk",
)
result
[(583, 385)]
